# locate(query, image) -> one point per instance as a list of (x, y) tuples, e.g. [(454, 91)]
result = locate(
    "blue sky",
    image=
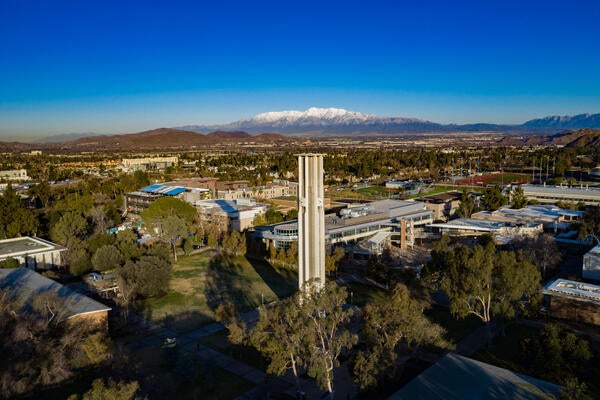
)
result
[(114, 66)]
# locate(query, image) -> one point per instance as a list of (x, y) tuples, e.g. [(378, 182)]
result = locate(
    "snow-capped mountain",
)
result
[(324, 120), (315, 121)]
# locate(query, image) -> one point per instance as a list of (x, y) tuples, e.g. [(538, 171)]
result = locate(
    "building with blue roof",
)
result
[(138, 201)]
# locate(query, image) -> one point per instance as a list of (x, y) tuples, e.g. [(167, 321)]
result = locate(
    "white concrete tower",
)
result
[(311, 219)]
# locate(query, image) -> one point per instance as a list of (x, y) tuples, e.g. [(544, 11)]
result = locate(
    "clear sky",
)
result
[(114, 66)]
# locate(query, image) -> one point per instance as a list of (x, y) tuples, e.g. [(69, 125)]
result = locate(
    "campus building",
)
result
[(143, 164), (33, 253), (23, 285), (552, 194), (442, 205), (255, 192), (506, 223), (138, 201), (458, 377), (551, 217), (234, 215), (14, 175), (404, 220), (575, 301)]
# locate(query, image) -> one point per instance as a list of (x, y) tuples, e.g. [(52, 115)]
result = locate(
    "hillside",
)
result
[(570, 138), (167, 138)]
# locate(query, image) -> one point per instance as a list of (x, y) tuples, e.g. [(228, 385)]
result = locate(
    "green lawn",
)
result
[(203, 281), (359, 294)]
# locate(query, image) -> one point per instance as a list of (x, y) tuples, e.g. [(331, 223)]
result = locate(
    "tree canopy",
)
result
[(484, 282), (390, 324)]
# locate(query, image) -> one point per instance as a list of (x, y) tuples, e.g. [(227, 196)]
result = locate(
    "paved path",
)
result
[(189, 343)]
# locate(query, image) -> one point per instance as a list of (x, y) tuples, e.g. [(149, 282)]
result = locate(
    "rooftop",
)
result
[(25, 245), (164, 190), (459, 378), (24, 285), (582, 190), (572, 289)]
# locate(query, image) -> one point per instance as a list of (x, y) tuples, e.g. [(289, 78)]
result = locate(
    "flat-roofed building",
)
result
[(142, 164), (235, 215), (255, 192), (14, 175), (197, 183), (552, 217), (575, 301), (357, 223), (553, 194), (443, 205), (138, 201), (33, 252)]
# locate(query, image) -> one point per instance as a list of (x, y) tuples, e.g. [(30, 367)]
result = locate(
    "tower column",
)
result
[(311, 219)]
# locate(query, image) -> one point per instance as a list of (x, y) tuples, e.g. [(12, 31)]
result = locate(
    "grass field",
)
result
[(203, 281)]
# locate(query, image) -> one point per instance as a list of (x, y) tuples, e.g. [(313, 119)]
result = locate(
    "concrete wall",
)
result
[(574, 310)]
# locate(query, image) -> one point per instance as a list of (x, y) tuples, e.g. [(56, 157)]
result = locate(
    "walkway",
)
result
[(189, 343)]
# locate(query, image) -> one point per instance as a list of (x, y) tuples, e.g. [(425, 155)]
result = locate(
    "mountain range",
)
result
[(322, 121)]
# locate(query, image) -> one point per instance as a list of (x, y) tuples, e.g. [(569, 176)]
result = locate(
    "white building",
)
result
[(553, 194), (134, 164), (236, 215), (14, 175), (256, 192), (33, 252)]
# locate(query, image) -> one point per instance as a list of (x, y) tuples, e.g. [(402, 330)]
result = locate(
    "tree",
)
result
[(309, 330), (482, 282), (333, 261), (466, 207), (70, 225), (169, 207), (126, 242), (15, 219), (541, 251), (555, 353), (147, 277), (10, 263), (280, 335), (328, 334), (389, 324), (493, 198), (109, 389), (172, 216), (98, 240), (173, 228), (518, 199), (106, 258)]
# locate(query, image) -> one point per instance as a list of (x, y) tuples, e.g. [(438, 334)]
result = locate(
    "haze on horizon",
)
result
[(116, 67)]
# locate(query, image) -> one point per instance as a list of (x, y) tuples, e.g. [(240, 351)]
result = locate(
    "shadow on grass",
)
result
[(227, 282), (282, 281)]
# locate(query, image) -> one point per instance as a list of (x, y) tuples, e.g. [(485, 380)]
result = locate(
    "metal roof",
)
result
[(24, 285), (164, 190), (460, 378)]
